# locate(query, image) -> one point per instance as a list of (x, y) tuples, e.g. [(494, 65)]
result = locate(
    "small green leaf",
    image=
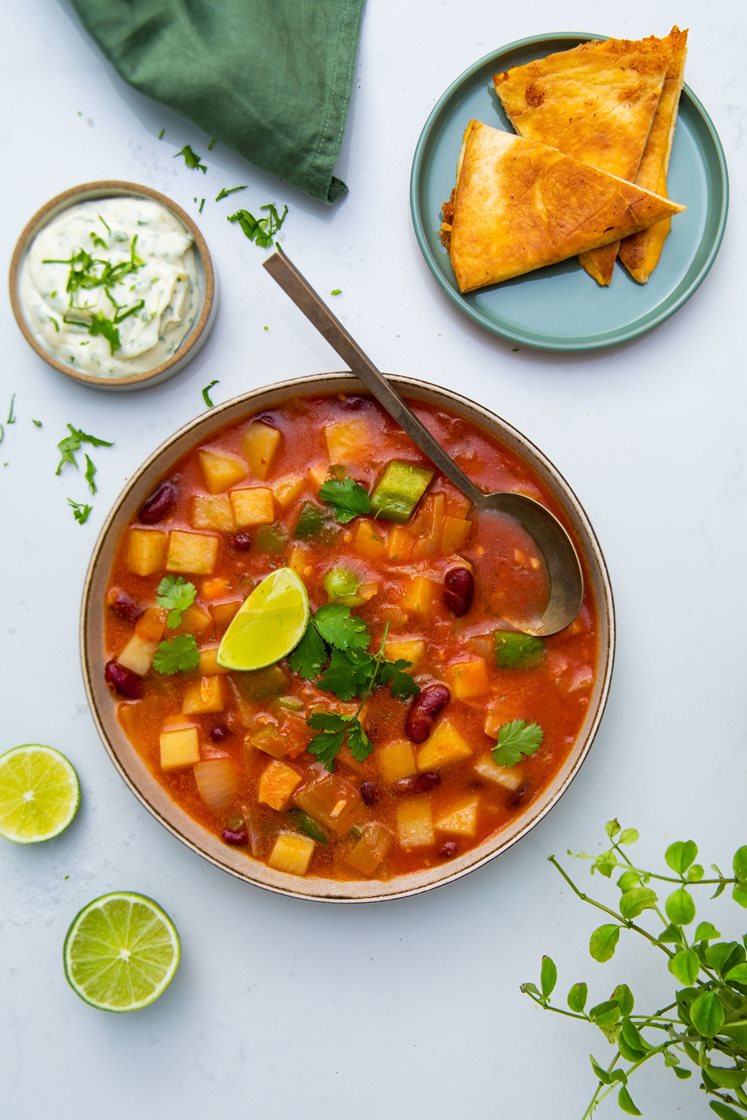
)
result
[(629, 836), (529, 988), (680, 855), (707, 1014), (685, 966), (628, 880), (601, 1073), (725, 1112), (633, 1038), (695, 873), (605, 864), (738, 974), (612, 828), (606, 1013), (739, 894), (548, 976), (726, 1078), (680, 907), (739, 863), (683, 1074), (577, 997), (705, 932), (625, 1101), (624, 998), (672, 935), (603, 942), (634, 902)]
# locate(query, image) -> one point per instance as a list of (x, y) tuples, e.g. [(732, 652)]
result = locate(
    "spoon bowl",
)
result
[(565, 579)]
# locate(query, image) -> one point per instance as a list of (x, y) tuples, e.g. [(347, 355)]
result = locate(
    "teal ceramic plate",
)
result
[(561, 308)]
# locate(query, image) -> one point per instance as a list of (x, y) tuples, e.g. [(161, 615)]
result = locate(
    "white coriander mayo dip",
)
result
[(110, 286)]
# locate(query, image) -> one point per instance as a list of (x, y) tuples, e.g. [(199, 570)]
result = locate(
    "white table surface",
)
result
[(406, 1009)]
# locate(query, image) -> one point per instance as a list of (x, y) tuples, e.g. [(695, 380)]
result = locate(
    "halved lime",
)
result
[(121, 952), (39, 793), (268, 625)]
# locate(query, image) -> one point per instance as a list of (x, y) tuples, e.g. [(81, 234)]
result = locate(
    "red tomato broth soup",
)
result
[(231, 748)]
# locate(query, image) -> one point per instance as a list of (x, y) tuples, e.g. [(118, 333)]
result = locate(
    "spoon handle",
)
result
[(295, 285)]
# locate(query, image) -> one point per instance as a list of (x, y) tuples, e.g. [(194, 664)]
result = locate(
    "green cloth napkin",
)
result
[(269, 78)]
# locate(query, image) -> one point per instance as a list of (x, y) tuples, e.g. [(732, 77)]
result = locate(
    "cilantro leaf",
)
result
[(340, 628), (331, 730), (72, 443), (401, 684), (81, 512), (516, 740), (91, 475), (349, 498), (359, 743), (225, 191), (99, 324), (192, 159), (206, 392), (177, 655), (309, 655), (175, 594), (260, 230), (350, 673)]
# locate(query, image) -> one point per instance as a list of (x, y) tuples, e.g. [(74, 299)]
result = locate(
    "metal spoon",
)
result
[(563, 568)]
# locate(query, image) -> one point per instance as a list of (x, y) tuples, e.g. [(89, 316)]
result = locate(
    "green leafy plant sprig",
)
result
[(704, 1026)]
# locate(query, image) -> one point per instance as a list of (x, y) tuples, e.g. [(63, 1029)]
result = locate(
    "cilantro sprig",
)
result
[(225, 191), (516, 740), (71, 443), (348, 498), (174, 594), (81, 511), (176, 655), (334, 652), (191, 159), (260, 230)]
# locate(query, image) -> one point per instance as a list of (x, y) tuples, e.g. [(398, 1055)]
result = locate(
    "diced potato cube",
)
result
[(260, 443), (196, 553), (212, 511), (277, 785), (454, 534), (457, 505), (399, 544), (348, 441), (446, 745), (221, 469), (419, 596), (292, 853), (137, 655), (460, 819), (299, 560), (253, 506), (409, 649), (415, 822), (317, 475), (369, 540), (468, 678), (208, 664), (368, 854), (427, 526), (195, 620), (287, 490), (151, 624), (507, 776), (224, 612), (179, 747), (267, 738), (214, 587), (203, 696), (396, 760), (146, 551)]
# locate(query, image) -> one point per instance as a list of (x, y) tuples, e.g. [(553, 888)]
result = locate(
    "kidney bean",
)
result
[(124, 606), (448, 849), (266, 418), (218, 732), (235, 835), (418, 783), (242, 542), (517, 796), (459, 589), (421, 714), (123, 681), (160, 504), (369, 793), (353, 404)]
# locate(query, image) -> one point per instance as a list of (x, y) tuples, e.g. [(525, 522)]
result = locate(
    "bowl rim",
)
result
[(369, 890), (114, 188)]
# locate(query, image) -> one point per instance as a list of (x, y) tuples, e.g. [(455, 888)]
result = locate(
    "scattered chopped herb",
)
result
[(12, 411), (177, 655), (99, 324), (265, 328), (225, 191), (191, 159), (260, 230), (206, 392), (517, 740), (175, 594), (348, 498), (161, 134), (37, 423), (201, 207), (2, 433), (90, 475), (336, 292), (72, 443), (212, 144), (515, 349), (81, 512), (54, 323)]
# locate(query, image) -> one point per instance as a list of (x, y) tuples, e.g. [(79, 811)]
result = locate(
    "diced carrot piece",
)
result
[(427, 526), (288, 489), (151, 624), (204, 696), (208, 664), (370, 851), (215, 587), (260, 443), (221, 469), (468, 678), (399, 544), (277, 785), (195, 620), (212, 511), (292, 853), (179, 747), (317, 475), (454, 534), (299, 560), (195, 553), (224, 612), (253, 506), (419, 596), (146, 551), (369, 540)]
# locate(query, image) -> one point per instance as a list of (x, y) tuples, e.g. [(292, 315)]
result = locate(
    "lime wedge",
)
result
[(121, 952), (39, 793), (268, 625)]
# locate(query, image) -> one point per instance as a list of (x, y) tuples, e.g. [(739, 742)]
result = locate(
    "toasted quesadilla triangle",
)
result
[(519, 205), (640, 253), (595, 102)]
